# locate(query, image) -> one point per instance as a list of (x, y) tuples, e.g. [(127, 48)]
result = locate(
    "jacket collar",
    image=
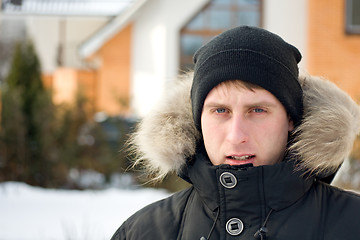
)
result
[(275, 186)]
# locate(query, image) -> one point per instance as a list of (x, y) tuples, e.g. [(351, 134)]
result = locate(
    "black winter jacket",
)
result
[(241, 203), (284, 201)]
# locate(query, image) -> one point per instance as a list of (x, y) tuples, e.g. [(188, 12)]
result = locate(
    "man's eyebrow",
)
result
[(214, 104), (261, 104)]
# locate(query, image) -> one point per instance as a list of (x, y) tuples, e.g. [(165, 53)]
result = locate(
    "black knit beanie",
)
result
[(253, 55)]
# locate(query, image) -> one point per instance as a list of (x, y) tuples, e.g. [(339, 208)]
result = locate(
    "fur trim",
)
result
[(167, 136), (329, 127)]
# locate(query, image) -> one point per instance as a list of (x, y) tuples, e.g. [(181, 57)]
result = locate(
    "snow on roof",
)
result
[(65, 7)]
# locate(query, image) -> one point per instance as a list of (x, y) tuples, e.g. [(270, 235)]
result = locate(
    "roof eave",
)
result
[(95, 42)]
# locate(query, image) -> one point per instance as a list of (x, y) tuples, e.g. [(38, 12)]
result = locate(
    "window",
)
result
[(215, 18), (353, 16)]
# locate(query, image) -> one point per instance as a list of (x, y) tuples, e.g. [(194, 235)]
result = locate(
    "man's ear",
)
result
[(291, 124)]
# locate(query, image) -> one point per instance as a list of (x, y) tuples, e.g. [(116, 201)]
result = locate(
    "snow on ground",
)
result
[(32, 213)]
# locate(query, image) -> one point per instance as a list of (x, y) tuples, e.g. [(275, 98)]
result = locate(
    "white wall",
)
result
[(45, 31), (45, 34), (155, 52), (288, 19)]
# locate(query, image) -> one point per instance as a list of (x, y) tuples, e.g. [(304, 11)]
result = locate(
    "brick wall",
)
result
[(331, 52), (113, 77)]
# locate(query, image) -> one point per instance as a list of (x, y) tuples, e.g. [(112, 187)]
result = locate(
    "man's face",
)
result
[(243, 126)]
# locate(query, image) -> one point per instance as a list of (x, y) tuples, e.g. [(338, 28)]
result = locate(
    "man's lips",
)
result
[(238, 160)]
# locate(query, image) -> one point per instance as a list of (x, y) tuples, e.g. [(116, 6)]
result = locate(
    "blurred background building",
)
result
[(120, 54)]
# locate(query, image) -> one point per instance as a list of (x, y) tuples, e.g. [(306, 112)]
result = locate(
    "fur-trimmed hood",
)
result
[(167, 136)]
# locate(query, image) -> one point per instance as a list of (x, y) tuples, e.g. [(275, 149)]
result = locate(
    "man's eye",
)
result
[(258, 110), (220, 110)]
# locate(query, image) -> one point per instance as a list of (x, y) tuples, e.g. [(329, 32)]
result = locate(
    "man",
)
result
[(258, 143)]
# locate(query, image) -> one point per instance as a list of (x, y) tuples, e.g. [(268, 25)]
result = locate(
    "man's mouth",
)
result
[(241, 158)]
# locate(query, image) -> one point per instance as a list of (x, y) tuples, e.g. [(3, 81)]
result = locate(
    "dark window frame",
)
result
[(350, 27), (208, 33)]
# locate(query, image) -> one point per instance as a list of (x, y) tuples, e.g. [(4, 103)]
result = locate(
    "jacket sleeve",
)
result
[(153, 221), (120, 233)]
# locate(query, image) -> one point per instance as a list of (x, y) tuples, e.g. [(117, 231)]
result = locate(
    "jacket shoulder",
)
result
[(338, 195), (159, 220), (341, 214)]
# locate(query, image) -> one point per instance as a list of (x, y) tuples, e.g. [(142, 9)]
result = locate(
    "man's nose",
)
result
[(237, 130)]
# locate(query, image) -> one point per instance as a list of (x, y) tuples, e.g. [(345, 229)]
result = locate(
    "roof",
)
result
[(95, 42), (65, 7)]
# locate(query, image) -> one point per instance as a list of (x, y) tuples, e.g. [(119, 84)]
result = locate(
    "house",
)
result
[(153, 41), (122, 63), (57, 28)]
